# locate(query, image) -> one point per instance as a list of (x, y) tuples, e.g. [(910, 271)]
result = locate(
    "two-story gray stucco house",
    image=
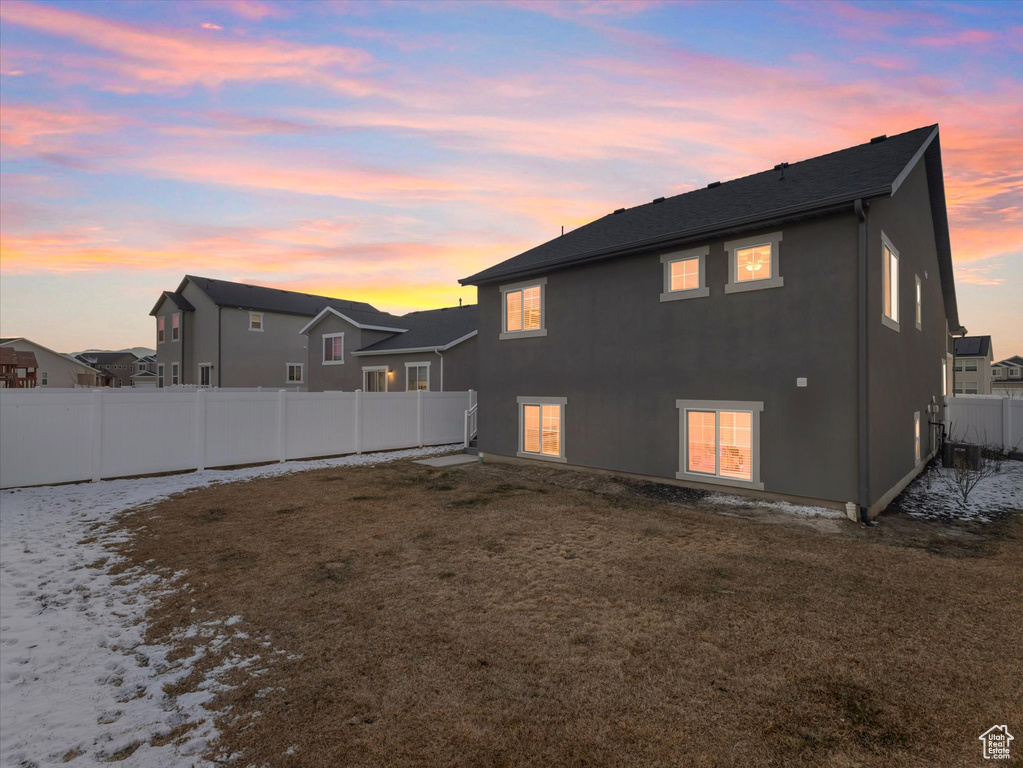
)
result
[(431, 350), (783, 335), (225, 334)]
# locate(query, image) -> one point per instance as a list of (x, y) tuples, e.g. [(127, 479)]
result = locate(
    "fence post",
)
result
[(97, 435), (419, 417), (1007, 436), (200, 429), (282, 425), (358, 421)]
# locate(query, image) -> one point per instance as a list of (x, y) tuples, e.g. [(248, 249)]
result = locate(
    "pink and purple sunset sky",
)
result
[(380, 151)]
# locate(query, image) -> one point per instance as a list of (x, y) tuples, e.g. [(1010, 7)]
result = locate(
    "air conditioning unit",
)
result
[(961, 454)]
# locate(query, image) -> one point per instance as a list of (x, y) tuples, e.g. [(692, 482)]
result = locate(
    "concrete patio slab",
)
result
[(450, 460)]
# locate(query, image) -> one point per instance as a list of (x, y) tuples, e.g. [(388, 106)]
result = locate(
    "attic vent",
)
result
[(658, 200), (714, 184), (878, 139), (620, 210)]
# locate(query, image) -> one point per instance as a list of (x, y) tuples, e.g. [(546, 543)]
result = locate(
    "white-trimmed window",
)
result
[(919, 305), (175, 326), (255, 321), (958, 365), (160, 326), (1014, 373), (523, 309), (753, 263), (719, 442), (295, 373), (970, 364), (996, 373), (916, 436), (374, 378), (175, 374), (542, 428), (970, 389), (44, 379), (205, 374), (889, 283), (159, 375), (685, 274), (417, 376), (333, 348)]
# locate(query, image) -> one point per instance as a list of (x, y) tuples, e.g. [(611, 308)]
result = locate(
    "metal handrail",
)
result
[(470, 424)]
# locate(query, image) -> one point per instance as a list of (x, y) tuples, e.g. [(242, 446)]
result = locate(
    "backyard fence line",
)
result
[(91, 435), (987, 420)]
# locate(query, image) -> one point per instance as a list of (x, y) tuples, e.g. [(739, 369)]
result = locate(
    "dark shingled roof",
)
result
[(973, 346), (179, 301), (101, 358), (430, 328), (258, 298), (866, 170)]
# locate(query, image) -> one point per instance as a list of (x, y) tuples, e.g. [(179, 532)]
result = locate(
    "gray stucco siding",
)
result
[(259, 358), (622, 358)]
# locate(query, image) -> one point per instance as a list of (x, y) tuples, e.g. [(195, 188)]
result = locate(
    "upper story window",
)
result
[(160, 325), (971, 364), (524, 311), (889, 283), (958, 364), (996, 373), (175, 326), (753, 263), (919, 304), (333, 348), (685, 274), (1014, 372), (541, 428), (255, 321)]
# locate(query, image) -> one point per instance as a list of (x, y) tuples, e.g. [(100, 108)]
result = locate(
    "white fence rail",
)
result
[(91, 435), (985, 419)]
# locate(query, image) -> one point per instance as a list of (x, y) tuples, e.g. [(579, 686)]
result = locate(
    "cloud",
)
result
[(164, 60), (210, 25)]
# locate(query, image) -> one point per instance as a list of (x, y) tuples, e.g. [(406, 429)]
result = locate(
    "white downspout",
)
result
[(437, 352)]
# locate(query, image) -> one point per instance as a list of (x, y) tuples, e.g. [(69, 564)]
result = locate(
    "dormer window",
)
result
[(255, 321), (524, 312), (753, 263)]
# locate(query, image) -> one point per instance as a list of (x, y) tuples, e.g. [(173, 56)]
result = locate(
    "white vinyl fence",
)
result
[(74, 435), (986, 420)]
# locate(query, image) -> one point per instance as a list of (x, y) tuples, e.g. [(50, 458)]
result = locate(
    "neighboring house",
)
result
[(54, 369), (18, 370), (117, 367), (972, 366), (223, 334), (377, 352), (783, 335), (143, 372), (1007, 377)]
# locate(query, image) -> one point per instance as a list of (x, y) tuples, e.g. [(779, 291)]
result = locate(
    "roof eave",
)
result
[(409, 350)]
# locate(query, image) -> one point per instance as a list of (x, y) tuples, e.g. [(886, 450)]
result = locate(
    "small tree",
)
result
[(964, 476)]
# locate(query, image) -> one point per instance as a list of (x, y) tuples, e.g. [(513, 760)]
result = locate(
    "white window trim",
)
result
[(367, 368), (524, 401), (918, 304), (996, 373), (262, 321), (774, 281), (918, 445), (159, 375), (691, 293), (44, 379), (198, 379), (966, 365), (323, 353), (1014, 372), (301, 373), (175, 374), (971, 385), (885, 320), (417, 365), (534, 332), (756, 408), (176, 330)]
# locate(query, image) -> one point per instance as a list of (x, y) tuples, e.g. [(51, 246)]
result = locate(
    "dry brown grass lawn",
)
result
[(489, 616)]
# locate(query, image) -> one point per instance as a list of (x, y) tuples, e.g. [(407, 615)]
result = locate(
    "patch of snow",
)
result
[(994, 497), (76, 677), (777, 506)]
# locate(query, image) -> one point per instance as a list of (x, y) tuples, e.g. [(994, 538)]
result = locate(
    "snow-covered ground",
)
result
[(776, 506), (77, 682), (993, 498)]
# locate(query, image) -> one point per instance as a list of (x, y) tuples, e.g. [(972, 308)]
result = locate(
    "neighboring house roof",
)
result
[(12, 356), (101, 358), (142, 374), (973, 346), (23, 340), (261, 299), (428, 330), (371, 321), (8, 340), (816, 186)]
